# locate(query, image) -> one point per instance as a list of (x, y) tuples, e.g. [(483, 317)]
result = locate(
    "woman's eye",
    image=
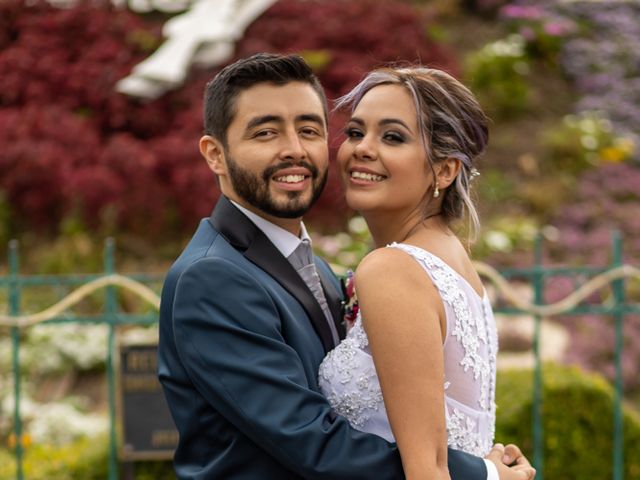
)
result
[(393, 137), (353, 133)]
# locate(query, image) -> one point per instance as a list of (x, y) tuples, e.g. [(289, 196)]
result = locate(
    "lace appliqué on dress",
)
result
[(464, 431), (358, 395), (462, 434)]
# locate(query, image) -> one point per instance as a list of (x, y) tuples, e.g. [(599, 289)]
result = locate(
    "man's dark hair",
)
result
[(221, 92)]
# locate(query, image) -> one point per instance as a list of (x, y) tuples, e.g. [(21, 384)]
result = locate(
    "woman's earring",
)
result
[(436, 191)]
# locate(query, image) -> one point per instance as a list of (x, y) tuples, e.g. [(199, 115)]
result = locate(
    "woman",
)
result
[(419, 365)]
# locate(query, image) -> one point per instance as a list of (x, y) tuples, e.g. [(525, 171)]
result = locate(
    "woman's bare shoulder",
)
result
[(388, 268)]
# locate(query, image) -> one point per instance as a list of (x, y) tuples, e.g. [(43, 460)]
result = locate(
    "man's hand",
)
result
[(511, 463)]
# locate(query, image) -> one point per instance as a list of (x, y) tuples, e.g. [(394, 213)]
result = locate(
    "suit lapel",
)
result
[(243, 235)]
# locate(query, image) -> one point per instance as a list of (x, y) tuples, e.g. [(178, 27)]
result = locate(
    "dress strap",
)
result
[(443, 276)]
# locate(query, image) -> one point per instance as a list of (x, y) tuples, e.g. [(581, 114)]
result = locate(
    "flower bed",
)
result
[(597, 47), (71, 146)]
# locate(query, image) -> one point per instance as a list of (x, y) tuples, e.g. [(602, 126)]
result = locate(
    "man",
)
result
[(241, 333)]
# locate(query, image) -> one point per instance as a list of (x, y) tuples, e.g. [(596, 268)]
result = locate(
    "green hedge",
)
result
[(85, 459), (577, 420)]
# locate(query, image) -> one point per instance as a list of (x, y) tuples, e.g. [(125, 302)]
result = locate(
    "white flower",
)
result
[(589, 142), (64, 346), (512, 46), (358, 225), (59, 423), (498, 241)]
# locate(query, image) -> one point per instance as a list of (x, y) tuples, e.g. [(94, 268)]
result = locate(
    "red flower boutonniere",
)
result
[(350, 303)]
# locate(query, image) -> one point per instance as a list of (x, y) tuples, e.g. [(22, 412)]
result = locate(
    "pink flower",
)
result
[(528, 34), (558, 29), (350, 306), (522, 12)]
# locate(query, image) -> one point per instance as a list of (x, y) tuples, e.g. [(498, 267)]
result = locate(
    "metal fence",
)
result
[(587, 279)]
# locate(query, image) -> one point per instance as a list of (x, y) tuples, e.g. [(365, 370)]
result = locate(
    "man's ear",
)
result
[(214, 153), (447, 171)]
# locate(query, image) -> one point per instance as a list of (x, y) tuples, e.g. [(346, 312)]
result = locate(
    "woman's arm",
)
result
[(403, 316)]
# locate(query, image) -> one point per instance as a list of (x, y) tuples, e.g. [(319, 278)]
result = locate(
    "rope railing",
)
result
[(566, 304), (499, 281), (77, 295)]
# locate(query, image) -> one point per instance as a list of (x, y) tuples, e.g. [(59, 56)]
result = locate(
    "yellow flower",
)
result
[(621, 150), (612, 155), (26, 440)]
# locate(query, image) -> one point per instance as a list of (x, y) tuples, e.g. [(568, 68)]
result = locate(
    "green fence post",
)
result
[(619, 298), (14, 309), (536, 417), (110, 310)]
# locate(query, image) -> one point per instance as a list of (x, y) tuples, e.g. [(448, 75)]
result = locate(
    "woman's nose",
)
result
[(364, 149)]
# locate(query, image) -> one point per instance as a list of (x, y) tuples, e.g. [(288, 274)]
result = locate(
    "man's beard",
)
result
[(256, 192)]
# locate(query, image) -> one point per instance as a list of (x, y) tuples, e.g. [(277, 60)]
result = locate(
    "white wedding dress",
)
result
[(348, 377)]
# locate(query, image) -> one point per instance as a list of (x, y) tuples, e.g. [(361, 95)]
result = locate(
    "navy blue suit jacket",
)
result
[(241, 340)]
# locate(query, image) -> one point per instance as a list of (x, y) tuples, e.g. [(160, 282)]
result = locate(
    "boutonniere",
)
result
[(350, 303)]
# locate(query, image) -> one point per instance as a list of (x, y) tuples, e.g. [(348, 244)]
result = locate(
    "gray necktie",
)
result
[(302, 260)]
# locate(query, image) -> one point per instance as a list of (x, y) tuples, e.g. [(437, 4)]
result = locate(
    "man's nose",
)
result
[(293, 147)]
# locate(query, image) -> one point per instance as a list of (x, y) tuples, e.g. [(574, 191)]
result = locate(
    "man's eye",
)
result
[(310, 131), (264, 133)]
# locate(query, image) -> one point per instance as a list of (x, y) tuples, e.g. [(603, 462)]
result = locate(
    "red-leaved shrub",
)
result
[(71, 145)]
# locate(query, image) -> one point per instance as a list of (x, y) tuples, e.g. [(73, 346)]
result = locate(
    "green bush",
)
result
[(577, 422), (156, 470), (497, 74), (584, 141), (86, 459)]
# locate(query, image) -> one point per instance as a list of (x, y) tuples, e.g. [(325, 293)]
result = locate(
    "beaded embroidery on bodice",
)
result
[(348, 378)]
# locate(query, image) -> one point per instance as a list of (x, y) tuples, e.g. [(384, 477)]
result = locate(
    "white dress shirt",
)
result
[(285, 241), (492, 470)]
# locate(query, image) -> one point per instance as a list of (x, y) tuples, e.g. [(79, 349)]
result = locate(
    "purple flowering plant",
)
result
[(543, 29), (607, 199), (595, 44)]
